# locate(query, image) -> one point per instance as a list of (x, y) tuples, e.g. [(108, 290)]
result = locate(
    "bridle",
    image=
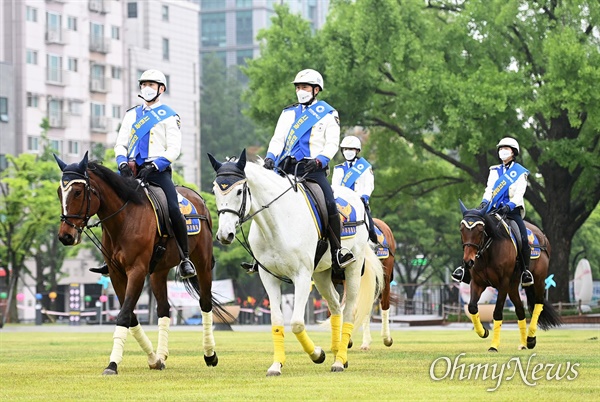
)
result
[(485, 242), (88, 191)]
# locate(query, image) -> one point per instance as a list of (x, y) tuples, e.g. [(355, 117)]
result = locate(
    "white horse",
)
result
[(283, 238)]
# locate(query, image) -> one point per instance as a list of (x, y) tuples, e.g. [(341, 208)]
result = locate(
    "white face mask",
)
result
[(504, 154), (148, 93), (349, 154), (303, 96)]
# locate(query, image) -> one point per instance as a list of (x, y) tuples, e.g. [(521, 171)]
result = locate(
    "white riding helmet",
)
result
[(309, 76), (509, 142), (153, 76), (351, 142)]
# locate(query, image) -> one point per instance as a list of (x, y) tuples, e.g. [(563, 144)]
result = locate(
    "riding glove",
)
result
[(483, 205), (146, 170), (312, 165), (125, 170), (269, 164), (503, 210)]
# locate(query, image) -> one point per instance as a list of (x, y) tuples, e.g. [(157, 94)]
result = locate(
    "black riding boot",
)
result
[(186, 268), (102, 269), (526, 276), (372, 232), (338, 258)]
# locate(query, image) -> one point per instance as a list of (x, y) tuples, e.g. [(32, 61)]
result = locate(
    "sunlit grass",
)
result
[(68, 366)]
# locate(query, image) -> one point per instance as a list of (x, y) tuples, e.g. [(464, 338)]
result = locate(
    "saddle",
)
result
[(158, 200), (515, 235)]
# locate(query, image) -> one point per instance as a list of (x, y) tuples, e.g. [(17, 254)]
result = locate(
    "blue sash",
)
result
[(359, 167), (303, 125), (140, 130), (503, 183)]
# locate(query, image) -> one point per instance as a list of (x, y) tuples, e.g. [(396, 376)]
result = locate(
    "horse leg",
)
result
[(273, 287), (204, 274), (388, 265), (158, 282), (366, 342), (476, 291), (498, 317), (537, 310), (330, 294), (301, 293), (134, 285), (515, 297)]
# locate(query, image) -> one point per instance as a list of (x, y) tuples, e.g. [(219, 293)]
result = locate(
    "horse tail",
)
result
[(549, 317), (193, 288), (371, 284)]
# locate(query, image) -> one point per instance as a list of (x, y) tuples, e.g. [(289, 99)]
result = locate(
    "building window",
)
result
[(165, 49), (115, 33), (54, 70), (243, 27), (165, 13), (213, 30), (55, 113), (31, 14), (31, 56), (116, 72), (212, 4), (56, 145), (72, 23), (3, 109), (75, 108), (32, 100), (72, 64), (132, 10), (73, 147), (116, 112), (243, 3), (33, 144)]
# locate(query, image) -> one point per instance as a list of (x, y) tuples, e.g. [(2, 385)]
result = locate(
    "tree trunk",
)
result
[(559, 231)]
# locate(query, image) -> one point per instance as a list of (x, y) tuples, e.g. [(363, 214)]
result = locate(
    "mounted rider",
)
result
[(356, 173), (506, 186)]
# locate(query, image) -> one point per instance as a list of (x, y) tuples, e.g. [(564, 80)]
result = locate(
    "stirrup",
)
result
[(526, 278), (250, 268), (458, 274), (186, 269), (345, 259)]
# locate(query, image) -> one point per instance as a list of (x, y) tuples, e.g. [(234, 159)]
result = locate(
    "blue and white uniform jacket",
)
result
[(164, 140), (516, 191), (363, 186), (321, 143)]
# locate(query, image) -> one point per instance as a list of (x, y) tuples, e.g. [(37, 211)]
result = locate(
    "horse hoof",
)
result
[(158, 365), (366, 348), (338, 367), (211, 361), (321, 358), (493, 350), (274, 370), (388, 342), (350, 344), (486, 333), (522, 347), (531, 342), (111, 369)]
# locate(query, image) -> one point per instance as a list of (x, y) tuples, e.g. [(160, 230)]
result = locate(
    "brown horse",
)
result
[(384, 300), (129, 240), (490, 255)]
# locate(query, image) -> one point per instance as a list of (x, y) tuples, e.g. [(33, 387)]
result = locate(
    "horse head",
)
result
[(231, 195), (75, 195), (472, 232)]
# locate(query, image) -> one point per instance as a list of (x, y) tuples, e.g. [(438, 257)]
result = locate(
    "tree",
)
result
[(452, 78)]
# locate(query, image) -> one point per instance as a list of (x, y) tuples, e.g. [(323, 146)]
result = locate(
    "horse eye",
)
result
[(77, 193), (239, 192)]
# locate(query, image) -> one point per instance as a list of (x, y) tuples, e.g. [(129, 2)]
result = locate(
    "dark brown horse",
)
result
[(490, 255), (129, 237), (384, 300)]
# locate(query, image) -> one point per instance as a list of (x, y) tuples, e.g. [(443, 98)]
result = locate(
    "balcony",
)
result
[(99, 123), (55, 36), (100, 45), (98, 6), (100, 84), (57, 121), (56, 76)]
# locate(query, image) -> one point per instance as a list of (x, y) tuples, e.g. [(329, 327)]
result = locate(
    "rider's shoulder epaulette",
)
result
[(291, 106), (339, 165), (131, 108), (494, 167)]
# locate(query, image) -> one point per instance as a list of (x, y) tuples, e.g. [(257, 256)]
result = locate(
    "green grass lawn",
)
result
[(67, 365)]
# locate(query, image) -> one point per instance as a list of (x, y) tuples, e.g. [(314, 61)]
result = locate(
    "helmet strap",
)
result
[(314, 96)]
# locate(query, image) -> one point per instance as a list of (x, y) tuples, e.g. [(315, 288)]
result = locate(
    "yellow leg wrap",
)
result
[(336, 333), (522, 332), (342, 355), (307, 344), (537, 310), (496, 336), (119, 338), (279, 351), (477, 324)]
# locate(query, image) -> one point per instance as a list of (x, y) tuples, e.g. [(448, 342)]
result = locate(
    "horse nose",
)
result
[(228, 239), (66, 239), (469, 264)]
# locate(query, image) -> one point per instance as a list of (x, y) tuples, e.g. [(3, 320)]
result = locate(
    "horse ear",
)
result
[(463, 209), (84, 162), (60, 163), (241, 163), (215, 163)]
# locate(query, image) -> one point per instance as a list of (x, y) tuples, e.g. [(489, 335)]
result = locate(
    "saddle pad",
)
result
[(314, 212), (534, 243), (347, 216), (381, 249), (161, 212)]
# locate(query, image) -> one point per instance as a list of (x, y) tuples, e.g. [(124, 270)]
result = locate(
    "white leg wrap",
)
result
[(162, 349), (385, 323), (209, 339), (119, 338), (144, 342)]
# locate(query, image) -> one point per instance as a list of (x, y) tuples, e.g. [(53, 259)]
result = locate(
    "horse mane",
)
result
[(125, 188), (494, 228)]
